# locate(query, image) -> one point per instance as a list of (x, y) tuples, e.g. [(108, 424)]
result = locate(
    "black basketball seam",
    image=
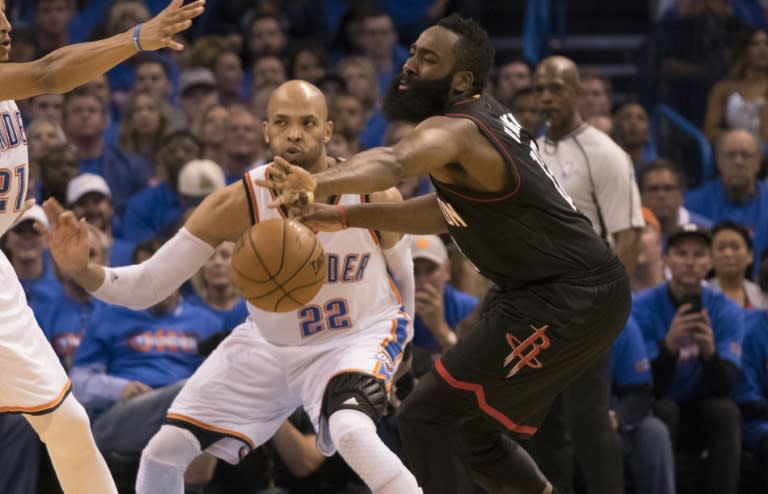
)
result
[(258, 257), (273, 278), (311, 252), (280, 285)]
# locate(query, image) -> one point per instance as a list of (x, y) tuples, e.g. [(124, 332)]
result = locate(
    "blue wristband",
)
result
[(136, 32)]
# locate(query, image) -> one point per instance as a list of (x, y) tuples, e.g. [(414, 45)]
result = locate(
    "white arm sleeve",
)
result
[(143, 285), (400, 263)]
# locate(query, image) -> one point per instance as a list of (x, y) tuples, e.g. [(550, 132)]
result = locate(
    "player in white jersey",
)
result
[(335, 357), (32, 380)]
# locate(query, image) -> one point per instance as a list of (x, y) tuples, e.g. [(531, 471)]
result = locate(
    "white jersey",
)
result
[(358, 291), (13, 164), (32, 378)]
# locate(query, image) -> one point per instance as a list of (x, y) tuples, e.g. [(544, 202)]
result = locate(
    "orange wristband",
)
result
[(342, 216)]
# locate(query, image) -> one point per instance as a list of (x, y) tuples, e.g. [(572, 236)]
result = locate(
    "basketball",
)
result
[(279, 265)]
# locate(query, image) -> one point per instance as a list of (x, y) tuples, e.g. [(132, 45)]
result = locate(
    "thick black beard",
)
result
[(422, 99)]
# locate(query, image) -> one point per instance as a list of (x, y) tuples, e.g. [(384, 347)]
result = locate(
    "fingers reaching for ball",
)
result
[(292, 184)]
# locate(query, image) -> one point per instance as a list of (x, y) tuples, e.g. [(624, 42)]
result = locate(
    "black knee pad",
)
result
[(355, 391)]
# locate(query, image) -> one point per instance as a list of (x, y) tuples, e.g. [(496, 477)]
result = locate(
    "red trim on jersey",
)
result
[(502, 148), (249, 183), (479, 392), (465, 101)]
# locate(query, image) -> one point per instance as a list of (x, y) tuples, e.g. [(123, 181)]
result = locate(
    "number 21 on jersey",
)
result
[(7, 191)]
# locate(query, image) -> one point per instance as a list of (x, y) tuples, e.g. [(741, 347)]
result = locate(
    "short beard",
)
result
[(422, 99)]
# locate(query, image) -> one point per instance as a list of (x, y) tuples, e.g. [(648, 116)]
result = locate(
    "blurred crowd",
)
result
[(679, 405)]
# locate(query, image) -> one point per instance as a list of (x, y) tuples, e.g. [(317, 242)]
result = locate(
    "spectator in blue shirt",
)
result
[(66, 319), (693, 338), (152, 211), (751, 391), (85, 123), (215, 290), (646, 439), (380, 45), (439, 306), (737, 195)]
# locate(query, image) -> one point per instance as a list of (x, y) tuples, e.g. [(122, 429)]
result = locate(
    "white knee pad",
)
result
[(164, 461), (172, 446)]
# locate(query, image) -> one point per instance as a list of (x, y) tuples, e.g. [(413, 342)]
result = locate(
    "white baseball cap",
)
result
[(429, 247), (85, 183), (35, 213), (200, 177)]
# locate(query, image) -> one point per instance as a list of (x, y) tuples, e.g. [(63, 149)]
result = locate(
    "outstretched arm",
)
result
[(71, 66), (221, 216), (420, 215), (432, 145)]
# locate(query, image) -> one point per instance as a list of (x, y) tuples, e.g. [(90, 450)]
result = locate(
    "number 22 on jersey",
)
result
[(315, 318)]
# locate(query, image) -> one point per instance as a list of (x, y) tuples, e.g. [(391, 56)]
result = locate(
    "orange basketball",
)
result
[(279, 265)]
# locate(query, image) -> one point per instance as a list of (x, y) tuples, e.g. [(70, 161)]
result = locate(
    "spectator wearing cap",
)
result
[(752, 387), (155, 210), (439, 306), (89, 197), (693, 338), (84, 124), (27, 249), (197, 90)]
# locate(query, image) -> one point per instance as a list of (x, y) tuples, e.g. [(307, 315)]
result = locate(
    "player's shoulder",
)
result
[(455, 124)]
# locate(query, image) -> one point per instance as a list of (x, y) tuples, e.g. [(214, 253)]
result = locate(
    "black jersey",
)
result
[(529, 231)]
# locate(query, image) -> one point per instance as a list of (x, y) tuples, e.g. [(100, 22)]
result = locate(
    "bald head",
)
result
[(297, 126), (561, 68), (298, 94), (738, 159)]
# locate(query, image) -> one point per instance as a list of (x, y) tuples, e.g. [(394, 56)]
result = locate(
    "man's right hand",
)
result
[(158, 32), (134, 388), (680, 330), (67, 239)]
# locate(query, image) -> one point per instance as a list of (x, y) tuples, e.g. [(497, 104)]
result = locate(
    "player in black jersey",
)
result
[(561, 295)]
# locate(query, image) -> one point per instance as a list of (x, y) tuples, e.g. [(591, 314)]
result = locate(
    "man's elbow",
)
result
[(49, 75)]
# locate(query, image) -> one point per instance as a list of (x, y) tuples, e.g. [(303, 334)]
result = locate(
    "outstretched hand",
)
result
[(319, 217), (294, 185), (67, 238), (158, 32)]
